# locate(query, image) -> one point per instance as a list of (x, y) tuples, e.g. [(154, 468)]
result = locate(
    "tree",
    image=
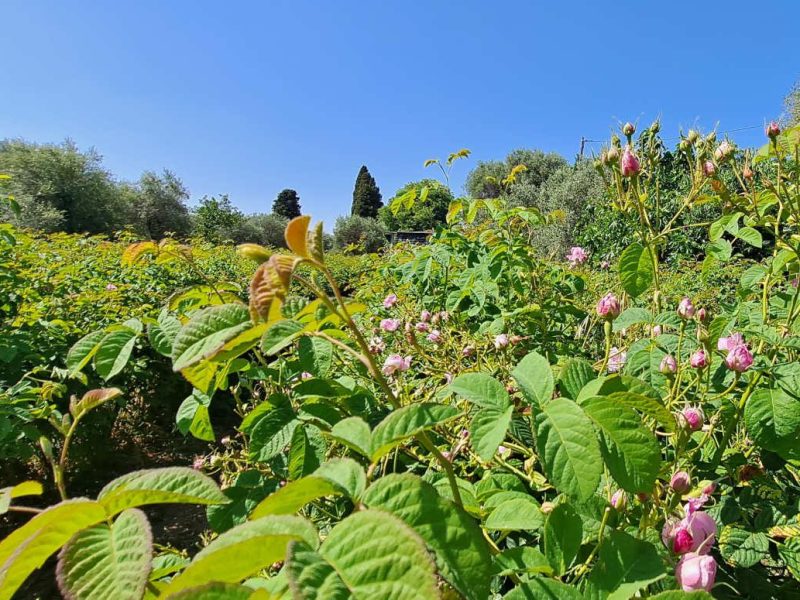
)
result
[(160, 205), (792, 105), (216, 218), (485, 180), (367, 234), (425, 214), (263, 229), (287, 204), (367, 198), (60, 187)]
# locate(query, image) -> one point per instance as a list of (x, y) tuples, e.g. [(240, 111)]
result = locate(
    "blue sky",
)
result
[(248, 98)]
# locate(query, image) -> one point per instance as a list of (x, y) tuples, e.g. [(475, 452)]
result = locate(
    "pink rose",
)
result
[(696, 572), (630, 164), (435, 337), (608, 307), (772, 130), (376, 345), (616, 359), (394, 363), (390, 301), (699, 359), (501, 341), (739, 359), (681, 482), (703, 530), (390, 324), (422, 327), (577, 256), (668, 365), (693, 417), (425, 316), (685, 308)]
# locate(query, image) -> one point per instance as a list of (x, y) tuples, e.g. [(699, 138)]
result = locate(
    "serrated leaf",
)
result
[(306, 452), (28, 547), (772, 418), (631, 452), (750, 236), (163, 332), (460, 550), (121, 552), (636, 269), (539, 587), (218, 591), (515, 514), (297, 235), (576, 373), (721, 250), (280, 335), (311, 576), (480, 389), (243, 551), (568, 448), (521, 559), (206, 333), (625, 566), (632, 316), (535, 378), (562, 535), (272, 433), (315, 355), (488, 430), (354, 433), (83, 351), (406, 422), (743, 548), (114, 352), (193, 417), (159, 486)]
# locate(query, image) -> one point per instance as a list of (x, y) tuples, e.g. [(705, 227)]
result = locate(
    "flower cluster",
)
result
[(739, 358), (692, 538)]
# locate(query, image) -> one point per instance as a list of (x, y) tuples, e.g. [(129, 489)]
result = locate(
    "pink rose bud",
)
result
[(547, 507), (618, 500), (425, 316), (724, 151), (501, 341), (739, 359), (444, 315), (693, 417), (656, 330), (435, 337), (468, 351), (699, 359), (692, 136), (630, 164), (422, 327), (685, 308), (709, 168), (682, 542), (772, 130), (608, 307), (390, 324), (696, 572), (703, 529), (111, 287), (702, 315), (710, 488), (680, 482), (668, 365), (503, 451), (605, 265), (394, 363), (747, 172), (198, 463), (390, 301), (629, 129)]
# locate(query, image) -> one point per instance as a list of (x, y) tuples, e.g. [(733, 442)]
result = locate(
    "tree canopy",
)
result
[(287, 204), (367, 199)]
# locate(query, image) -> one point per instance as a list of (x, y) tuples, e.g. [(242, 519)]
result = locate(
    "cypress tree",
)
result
[(366, 195), (287, 204)]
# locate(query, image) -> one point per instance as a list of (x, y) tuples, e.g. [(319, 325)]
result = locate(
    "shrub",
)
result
[(367, 235), (427, 209)]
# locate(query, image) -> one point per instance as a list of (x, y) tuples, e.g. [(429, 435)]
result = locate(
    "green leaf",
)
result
[(354, 433), (26, 488), (207, 332), (631, 452), (681, 595), (750, 236), (726, 223), (217, 591), (279, 336), (636, 269), (576, 373), (121, 552), (568, 448), (311, 576), (160, 486), (488, 429), (342, 476), (535, 378), (162, 333), (632, 316), (790, 554), (379, 556), (521, 559), (83, 351), (406, 422), (92, 399), (752, 278), (480, 389), (249, 488), (515, 514), (192, 416), (460, 550), (742, 548), (625, 566), (307, 451), (721, 250), (114, 352), (563, 532), (316, 355), (272, 433), (539, 588), (243, 551), (772, 418), (28, 547)]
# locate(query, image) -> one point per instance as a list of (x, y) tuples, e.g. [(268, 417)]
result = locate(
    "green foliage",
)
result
[(417, 206), (366, 195), (361, 234), (287, 204), (215, 219)]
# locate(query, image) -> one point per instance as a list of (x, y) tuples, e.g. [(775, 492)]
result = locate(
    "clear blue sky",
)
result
[(247, 98)]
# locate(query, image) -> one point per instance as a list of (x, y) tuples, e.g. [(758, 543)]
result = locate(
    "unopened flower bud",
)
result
[(630, 164), (468, 351), (619, 500), (668, 366), (699, 359), (711, 137), (608, 307), (254, 252), (772, 130), (747, 172), (628, 129), (685, 308), (655, 127), (692, 136), (515, 339), (693, 417), (501, 341), (684, 145), (702, 315), (547, 507), (709, 168), (612, 155), (681, 482)]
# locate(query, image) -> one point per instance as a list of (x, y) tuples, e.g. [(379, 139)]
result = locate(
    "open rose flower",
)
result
[(699, 359), (394, 363), (577, 256), (425, 316), (435, 336), (390, 301), (377, 345), (685, 308), (501, 341), (390, 324)]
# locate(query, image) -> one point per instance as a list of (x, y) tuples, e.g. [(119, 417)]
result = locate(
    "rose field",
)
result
[(476, 416)]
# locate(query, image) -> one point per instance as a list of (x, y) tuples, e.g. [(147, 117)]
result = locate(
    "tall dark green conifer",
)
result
[(287, 204), (366, 195)]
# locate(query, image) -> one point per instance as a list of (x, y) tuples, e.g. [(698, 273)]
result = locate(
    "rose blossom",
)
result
[(685, 308), (425, 316), (111, 288), (395, 362), (377, 345), (577, 256), (681, 482), (616, 359), (422, 327), (772, 130), (390, 301), (390, 324), (693, 417), (608, 307), (729, 343), (468, 351), (501, 341), (435, 336), (739, 359), (699, 359), (668, 365), (696, 572), (630, 164)]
